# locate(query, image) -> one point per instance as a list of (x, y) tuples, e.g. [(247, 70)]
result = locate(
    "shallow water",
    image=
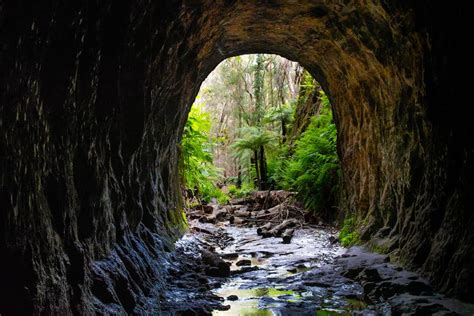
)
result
[(275, 288), (309, 276)]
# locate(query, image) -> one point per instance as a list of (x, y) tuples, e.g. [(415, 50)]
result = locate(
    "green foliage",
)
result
[(198, 171), (348, 236), (252, 139), (246, 189), (313, 170), (283, 113), (308, 84)]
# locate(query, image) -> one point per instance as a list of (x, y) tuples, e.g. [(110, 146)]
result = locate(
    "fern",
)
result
[(313, 170), (198, 171)]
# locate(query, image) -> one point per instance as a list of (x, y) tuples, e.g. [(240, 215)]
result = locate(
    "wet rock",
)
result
[(215, 266), (287, 235), (243, 262), (202, 279), (352, 273), (92, 181), (420, 308), (232, 297), (244, 269), (223, 308), (369, 275), (232, 255), (333, 240), (368, 287)]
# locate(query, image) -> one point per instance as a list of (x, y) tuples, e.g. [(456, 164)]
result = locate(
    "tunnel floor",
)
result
[(220, 268)]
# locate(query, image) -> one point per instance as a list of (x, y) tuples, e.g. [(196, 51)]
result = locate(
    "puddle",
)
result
[(276, 301), (257, 292), (250, 300)]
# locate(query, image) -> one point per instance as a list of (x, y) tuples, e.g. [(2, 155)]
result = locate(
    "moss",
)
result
[(177, 222), (348, 235), (382, 249)]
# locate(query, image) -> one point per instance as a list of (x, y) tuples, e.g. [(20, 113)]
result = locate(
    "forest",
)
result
[(261, 122)]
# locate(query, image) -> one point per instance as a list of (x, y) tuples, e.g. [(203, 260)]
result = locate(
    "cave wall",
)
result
[(95, 94)]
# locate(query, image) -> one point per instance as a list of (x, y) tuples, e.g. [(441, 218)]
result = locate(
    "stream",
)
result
[(312, 275), (276, 286)]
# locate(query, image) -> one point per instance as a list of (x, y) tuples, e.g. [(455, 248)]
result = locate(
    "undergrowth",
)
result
[(198, 172), (313, 169), (348, 236)]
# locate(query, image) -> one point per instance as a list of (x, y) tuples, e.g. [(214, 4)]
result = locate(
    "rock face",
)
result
[(94, 96)]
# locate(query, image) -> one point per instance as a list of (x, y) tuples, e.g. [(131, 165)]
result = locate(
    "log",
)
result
[(236, 220), (240, 201), (287, 235), (264, 228), (279, 229), (220, 215), (262, 213), (272, 211), (275, 197), (242, 213)]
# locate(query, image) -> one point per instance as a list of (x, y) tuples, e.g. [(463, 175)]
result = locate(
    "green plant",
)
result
[(197, 169), (246, 189), (348, 236), (232, 189), (313, 170)]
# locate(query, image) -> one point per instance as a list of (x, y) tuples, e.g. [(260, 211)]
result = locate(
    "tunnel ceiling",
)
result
[(94, 98)]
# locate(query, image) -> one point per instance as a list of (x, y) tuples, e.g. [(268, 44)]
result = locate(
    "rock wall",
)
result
[(95, 94)]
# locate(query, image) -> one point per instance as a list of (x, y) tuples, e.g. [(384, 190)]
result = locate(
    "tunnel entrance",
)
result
[(261, 122), (95, 96), (261, 129), (260, 177)]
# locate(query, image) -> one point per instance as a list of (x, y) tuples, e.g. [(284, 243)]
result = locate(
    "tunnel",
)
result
[(95, 95)]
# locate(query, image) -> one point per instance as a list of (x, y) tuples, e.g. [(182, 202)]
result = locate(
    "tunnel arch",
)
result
[(371, 83), (123, 75), (370, 58)]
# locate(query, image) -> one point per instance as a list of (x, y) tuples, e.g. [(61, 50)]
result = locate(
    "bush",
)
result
[(197, 169), (348, 236), (246, 189), (313, 170)]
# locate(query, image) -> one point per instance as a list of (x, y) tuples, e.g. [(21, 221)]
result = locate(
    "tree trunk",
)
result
[(263, 170), (257, 172), (283, 131)]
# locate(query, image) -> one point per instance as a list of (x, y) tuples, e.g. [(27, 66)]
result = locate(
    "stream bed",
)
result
[(274, 287), (312, 275)]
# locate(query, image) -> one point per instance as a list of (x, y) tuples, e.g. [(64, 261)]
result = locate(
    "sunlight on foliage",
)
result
[(253, 137), (198, 171), (313, 169)]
